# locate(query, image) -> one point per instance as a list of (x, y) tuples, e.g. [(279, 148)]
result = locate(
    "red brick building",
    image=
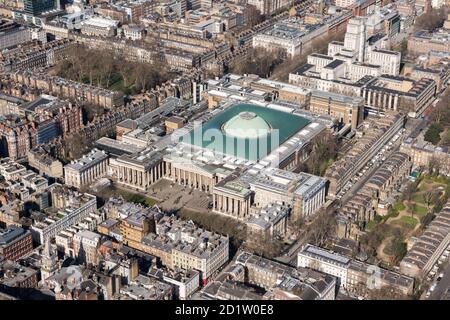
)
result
[(15, 242)]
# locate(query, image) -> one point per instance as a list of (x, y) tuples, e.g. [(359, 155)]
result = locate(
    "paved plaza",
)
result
[(172, 196)]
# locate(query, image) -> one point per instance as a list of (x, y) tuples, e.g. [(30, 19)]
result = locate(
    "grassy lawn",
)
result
[(399, 206), (433, 183), (409, 221), (420, 210), (425, 185), (418, 198), (405, 222), (135, 197), (439, 179), (439, 186)]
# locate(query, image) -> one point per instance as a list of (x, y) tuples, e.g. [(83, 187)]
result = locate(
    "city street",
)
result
[(360, 183), (442, 286), (440, 282), (412, 127)]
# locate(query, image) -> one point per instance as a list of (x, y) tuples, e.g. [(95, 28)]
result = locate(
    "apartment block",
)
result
[(355, 276), (423, 153), (285, 282), (15, 242), (68, 208), (146, 288), (184, 282), (375, 135), (181, 244), (12, 34), (34, 55), (17, 280), (67, 89), (422, 42), (375, 197), (425, 252), (48, 166), (85, 247)]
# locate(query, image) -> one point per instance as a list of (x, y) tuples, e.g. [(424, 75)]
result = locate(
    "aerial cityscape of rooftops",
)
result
[(224, 150)]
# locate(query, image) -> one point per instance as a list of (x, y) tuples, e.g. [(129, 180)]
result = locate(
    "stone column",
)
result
[(219, 203), (152, 176), (239, 204), (144, 174)]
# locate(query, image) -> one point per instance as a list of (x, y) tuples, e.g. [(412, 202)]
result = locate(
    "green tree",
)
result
[(298, 224), (432, 19), (434, 166), (441, 112), (445, 139), (433, 133), (438, 205), (409, 191), (426, 219), (428, 197), (322, 228), (398, 250), (402, 47), (258, 61), (324, 151), (412, 208), (386, 293)]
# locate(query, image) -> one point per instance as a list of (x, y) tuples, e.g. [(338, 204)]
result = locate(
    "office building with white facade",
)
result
[(87, 169)]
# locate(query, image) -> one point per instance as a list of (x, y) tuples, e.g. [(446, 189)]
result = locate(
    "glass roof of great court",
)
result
[(246, 131)]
